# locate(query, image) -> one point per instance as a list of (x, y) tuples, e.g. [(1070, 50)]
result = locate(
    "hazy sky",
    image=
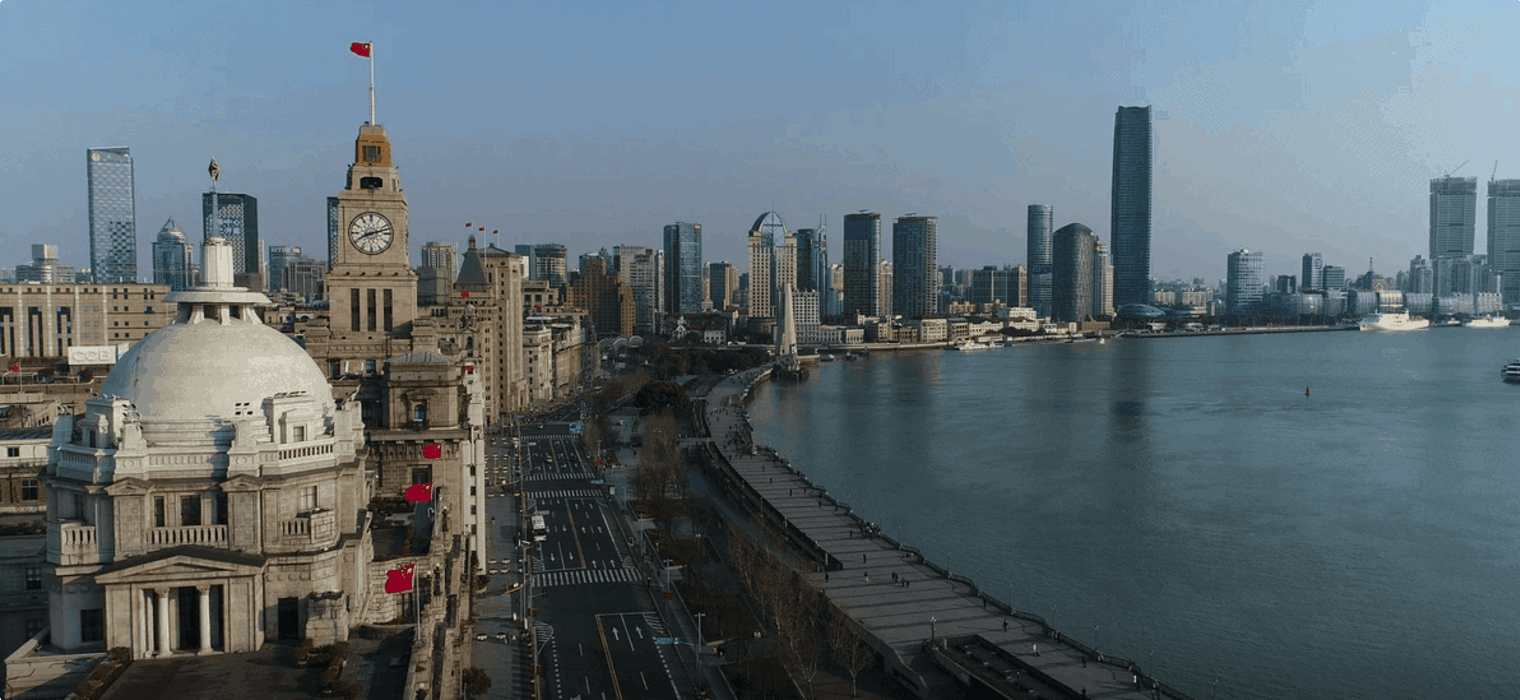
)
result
[(1281, 126)]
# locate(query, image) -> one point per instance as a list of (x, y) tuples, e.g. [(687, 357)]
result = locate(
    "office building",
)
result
[(1335, 277), (1313, 277), (812, 258), (1421, 278), (1131, 205), (607, 299), (237, 222), (113, 215), (763, 234), (280, 257), (173, 258), (1504, 236), (722, 282), (643, 268), (1041, 218), (1103, 281), (303, 278), (1243, 293), (884, 274), (44, 267), (1453, 217), (551, 264), (1073, 248), (862, 250), (683, 278), (915, 268), (443, 257)]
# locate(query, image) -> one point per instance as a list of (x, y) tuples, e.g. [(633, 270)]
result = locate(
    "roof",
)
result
[(471, 275), (421, 357), (43, 433), (193, 551)]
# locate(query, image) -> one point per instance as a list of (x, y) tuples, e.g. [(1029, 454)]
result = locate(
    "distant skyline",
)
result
[(1290, 128)]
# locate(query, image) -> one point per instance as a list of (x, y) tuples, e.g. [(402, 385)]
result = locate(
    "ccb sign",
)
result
[(95, 354)]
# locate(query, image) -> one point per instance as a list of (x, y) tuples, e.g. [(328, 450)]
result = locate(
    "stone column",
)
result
[(205, 595), (162, 594)]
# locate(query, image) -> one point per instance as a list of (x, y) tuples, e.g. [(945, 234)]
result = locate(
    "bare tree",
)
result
[(795, 614), (847, 640)]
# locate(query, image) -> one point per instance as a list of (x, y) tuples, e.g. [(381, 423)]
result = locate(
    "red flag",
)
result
[(419, 493), (468, 224), (432, 451), (15, 368), (360, 48), (465, 294), (399, 580)]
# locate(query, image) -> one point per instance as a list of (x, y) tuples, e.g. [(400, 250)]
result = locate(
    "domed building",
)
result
[(211, 497)]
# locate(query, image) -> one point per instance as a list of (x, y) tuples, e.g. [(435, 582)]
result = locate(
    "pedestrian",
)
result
[(894, 577), (868, 576), (1036, 650), (862, 557), (1005, 625)]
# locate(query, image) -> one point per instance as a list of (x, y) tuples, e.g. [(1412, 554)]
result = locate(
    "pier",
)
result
[(928, 623)]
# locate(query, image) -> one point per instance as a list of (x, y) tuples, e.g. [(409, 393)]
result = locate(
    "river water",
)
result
[(1182, 502)]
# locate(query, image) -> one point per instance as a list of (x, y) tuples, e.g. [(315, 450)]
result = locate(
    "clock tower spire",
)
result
[(372, 287)]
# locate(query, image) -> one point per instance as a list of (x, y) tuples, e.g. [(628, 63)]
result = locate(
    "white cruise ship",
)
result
[(1393, 321), (971, 345), (1488, 322)]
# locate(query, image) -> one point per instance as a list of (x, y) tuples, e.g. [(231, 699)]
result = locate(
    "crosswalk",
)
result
[(567, 493), (557, 476), (582, 576)]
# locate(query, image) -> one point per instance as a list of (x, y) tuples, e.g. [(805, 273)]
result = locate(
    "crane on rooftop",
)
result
[(1495, 173), (1459, 167)]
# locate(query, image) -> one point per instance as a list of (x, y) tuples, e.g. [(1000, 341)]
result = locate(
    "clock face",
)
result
[(371, 233)]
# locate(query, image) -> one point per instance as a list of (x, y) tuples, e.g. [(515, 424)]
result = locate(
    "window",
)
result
[(472, 490), (92, 627), (189, 510), (472, 510), (298, 434), (308, 499), (369, 365), (422, 476), (13, 452), (29, 489), (472, 471), (79, 506), (34, 578), (219, 506), (419, 412), (35, 626), (372, 154), (158, 512)]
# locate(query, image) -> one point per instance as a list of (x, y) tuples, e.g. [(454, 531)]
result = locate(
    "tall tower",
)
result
[(683, 258), (237, 220), (1504, 236), (762, 262), (173, 259), (1313, 277), (1453, 216), (915, 272), (1130, 211), (372, 287), (1072, 251), (1244, 280), (113, 215), (862, 250), (1040, 219)]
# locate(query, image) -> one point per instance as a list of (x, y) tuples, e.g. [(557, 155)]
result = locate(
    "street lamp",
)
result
[(932, 620), (699, 617)]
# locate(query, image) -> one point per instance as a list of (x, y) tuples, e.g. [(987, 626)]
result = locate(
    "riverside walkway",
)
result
[(919, 616)]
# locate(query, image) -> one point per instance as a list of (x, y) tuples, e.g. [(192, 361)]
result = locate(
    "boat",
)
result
[(1488, 322), (1511, 372), (825, 358), (1393, 321), (970, 345)]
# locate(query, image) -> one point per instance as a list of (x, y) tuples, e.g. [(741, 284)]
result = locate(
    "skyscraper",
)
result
[(443, 257), (280, 257), (1453, 216), (550, 263), (1244, 281), (683, 259), (762, 262), (812, 258), (1072, 252), (1313, 277), (113, 215), (862, 250), (1504, 236), (642, 267), (1335, 277), (238, 216), (1131, 206), (1041, 219), (915, 271), (722, 282), (173, 258), (1103, 281)]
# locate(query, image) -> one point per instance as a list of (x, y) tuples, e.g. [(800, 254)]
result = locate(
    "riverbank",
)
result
[(929, 624)]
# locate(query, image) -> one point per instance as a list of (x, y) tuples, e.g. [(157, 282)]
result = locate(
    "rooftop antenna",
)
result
[(1465, 162)]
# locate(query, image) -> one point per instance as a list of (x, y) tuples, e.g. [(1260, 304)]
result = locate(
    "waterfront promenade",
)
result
[(901, 598)]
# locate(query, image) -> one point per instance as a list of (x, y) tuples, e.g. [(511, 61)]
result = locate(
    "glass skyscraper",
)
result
[(1130, 212), (915, 268), (173, 259), (1504, 236), (1313, 277), (683, 262), (812, 259), (1243, 283), (1041, 219), (113, 215), (1453, 216), (238, 217), (862, 252)]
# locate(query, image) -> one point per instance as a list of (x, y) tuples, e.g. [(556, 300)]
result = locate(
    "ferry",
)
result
[(970, 345), (1511, 371), (825, 358), (1393, 321), (1488, 322)]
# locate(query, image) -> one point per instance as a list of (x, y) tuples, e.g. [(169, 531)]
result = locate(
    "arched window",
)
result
[(419, 412)]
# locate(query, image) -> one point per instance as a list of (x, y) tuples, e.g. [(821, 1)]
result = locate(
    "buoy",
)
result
[(1308, 391)]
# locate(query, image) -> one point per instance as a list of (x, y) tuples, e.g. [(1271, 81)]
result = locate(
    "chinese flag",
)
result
[(465, 294), (399, 580), (419, 493), (468, 224), (432, 451), (361, 49), (15, 368)]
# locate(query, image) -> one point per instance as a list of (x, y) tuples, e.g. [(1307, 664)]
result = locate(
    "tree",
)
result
[(662, 395), (847, 641), (476, 682)]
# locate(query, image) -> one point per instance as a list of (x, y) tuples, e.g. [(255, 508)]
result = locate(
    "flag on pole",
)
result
[(360, 48), (419, 493), (433, 451), (399, 580)]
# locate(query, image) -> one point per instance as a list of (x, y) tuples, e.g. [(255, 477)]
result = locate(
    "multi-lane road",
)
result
[(598, 632)]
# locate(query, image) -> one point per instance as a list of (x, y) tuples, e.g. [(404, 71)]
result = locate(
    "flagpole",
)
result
[(372, 82)]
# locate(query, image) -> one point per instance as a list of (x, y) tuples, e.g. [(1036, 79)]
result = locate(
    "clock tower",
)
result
[(372, 288)]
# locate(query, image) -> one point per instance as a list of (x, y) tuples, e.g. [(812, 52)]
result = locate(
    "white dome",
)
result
[(202, 371)]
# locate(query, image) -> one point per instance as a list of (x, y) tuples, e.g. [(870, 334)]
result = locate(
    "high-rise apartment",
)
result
[(767, 229), (1131, 206), (1243, 290), (173, 258), (643, 268), (1072, 252), (884, 274), (1453, 216), (862, 250), (683, 278), (238, 223), (550, 263), (1504, 236), (113, 215), (915, 271), (1041, 218), (443, 257), (1313, 277), (1103, 281)]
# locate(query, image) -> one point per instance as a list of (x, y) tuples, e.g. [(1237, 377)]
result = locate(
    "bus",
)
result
[(540, 530)]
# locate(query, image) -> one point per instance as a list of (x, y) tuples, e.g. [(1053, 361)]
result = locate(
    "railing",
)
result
[(298, 528), (74, 543), (308, 451), (209, 535)]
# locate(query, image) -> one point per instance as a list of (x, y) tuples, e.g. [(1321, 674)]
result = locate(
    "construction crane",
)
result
[(1459, 167), (1495, 173)]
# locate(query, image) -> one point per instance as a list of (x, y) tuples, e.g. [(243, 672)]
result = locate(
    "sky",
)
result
[(1286, 127)]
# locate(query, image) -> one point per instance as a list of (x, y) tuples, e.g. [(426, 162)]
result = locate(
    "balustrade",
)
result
[(208, 535)]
